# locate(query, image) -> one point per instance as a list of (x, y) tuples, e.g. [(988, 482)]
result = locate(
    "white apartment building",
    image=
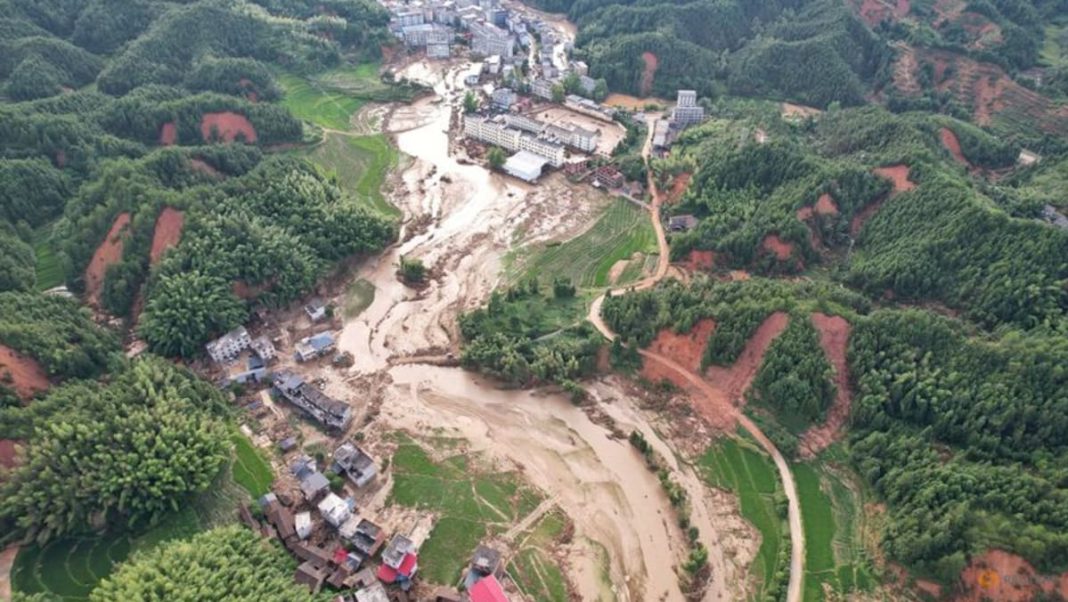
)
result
[(551, 151), (498, 133), (226, 348), (489, 40), (687, 112)]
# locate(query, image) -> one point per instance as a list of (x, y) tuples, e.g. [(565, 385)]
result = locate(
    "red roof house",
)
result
[(407, 568), (488, 589)]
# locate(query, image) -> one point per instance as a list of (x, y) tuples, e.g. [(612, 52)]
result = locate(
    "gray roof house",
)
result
[(313, 485), (330, 412), (354, 463)]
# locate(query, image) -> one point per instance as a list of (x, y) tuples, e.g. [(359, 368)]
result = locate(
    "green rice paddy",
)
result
[(586, 260), (360, 164)]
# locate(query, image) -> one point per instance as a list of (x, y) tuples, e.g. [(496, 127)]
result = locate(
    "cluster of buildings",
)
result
[(534, 142), (337, 547), (433, 25), (331, 413), (686, 113)]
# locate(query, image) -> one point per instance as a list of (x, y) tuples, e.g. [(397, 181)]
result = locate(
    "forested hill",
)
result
[(128, 127), (810, 51)]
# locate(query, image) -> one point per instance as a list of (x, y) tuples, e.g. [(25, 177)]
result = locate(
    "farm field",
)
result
[(330, 99), (833, 553), (737, 466), (586, 260), (49, 272), (360, 164), (532, 569), (69, 568), (250, 469), (471, 504)]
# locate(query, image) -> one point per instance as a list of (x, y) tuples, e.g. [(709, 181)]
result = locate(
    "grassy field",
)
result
[(360, 296), (49, 272), (831, 514), (250, 469), (68, 569), (360, 164), (330, 99), (620, 232), (1054, 51), (471, 503), (737, 466), (532, 569)]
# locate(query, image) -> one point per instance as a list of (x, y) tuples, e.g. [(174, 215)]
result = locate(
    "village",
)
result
[(529, 99), (329, 503)]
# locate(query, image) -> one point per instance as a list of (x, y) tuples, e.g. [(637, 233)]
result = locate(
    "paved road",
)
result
[(797, 534)]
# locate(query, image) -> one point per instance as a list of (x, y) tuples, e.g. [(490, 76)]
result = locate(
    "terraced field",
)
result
[(49, 272), (330, 99), (360, 164), (69, 568), (586, 260), (738, 466)]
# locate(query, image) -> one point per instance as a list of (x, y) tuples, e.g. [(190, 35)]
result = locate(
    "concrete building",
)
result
[(226, 348), (550, 150), (418, 36), (492, 132), (525, 165), (487, 40), (409, 18), (354, 463), (687, 112), (542, 88)]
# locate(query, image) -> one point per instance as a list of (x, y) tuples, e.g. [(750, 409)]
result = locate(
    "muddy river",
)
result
[(461, 221)]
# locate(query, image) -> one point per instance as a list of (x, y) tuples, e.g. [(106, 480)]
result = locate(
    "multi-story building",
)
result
[(497, 132), (226, 348), (438, 51), (409, 18), (687, 111), (549, 149), (542, 88), (417, 36), (503, 98), (487, 40), (493, 132)]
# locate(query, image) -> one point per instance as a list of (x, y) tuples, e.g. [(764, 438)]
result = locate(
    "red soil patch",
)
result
[(952, 144), (21, 373), (700, 260), (109, 252), (999, 575), (167, 233), (717, 394), (734, 381), (168, 134), (873, 12), (227, 126), (778, 247), (7, 453), (686, 349), (204, 168), (248, 291), (834, 335), (678, 187), (826, 205), (899, 175), (804, 213), (648, 72)]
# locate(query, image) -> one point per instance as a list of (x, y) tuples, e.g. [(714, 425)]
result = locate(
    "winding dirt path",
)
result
[(797, 536)]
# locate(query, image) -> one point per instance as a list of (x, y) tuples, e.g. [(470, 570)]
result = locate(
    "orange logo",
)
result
[(988, 579)]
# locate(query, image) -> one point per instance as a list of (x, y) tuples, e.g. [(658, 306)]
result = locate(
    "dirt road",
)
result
[(797, 536)]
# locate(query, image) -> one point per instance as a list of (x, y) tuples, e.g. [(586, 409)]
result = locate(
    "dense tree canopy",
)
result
[(229, 563), (120, 453)]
